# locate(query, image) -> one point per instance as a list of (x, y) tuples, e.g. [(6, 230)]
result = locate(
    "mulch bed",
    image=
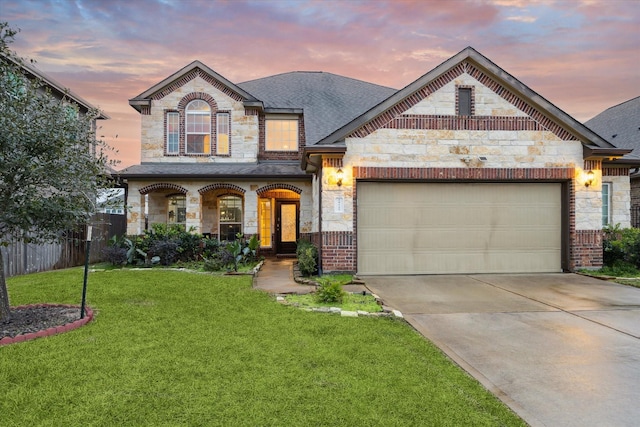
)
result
[(32, 319)]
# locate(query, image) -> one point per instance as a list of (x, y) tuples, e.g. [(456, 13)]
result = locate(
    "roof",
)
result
[(57, 88), (329, 101), (584, 134), (245, 171), (620, 125)]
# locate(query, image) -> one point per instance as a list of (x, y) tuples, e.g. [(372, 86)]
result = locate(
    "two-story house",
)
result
[(465, 170)]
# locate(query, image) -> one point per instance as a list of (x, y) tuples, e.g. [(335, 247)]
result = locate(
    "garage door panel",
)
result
[(424, 228)]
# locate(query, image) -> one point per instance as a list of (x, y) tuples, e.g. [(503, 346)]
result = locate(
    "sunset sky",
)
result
[(583, 56)]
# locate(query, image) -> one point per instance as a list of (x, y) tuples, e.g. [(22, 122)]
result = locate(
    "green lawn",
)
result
[(171, 348)]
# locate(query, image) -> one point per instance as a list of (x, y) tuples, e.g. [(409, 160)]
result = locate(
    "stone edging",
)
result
[(88, 316)]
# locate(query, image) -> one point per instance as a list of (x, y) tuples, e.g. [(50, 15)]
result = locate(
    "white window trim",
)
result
[(283, 117), (609, 186), (188, 113), (177, 117)]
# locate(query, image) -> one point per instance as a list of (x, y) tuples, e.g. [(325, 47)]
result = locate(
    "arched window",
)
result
[(198, 127), (230, 209)]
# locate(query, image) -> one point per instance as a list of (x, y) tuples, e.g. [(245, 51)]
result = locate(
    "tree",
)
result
[(51, 164)]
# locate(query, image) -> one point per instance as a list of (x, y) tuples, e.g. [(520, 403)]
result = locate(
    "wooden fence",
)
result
[(22, 258)]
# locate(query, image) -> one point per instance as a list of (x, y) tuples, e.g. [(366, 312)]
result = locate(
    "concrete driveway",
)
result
[(559, 349)]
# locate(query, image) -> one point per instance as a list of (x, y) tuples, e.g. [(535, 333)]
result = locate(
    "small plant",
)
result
[(307, 254), (330, 292), (214, 264), (166, 250)]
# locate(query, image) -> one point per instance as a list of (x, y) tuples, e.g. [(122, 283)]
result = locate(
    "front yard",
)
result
[(179, 348)]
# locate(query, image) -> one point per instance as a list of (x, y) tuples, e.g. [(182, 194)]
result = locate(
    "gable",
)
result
[(433, 105)]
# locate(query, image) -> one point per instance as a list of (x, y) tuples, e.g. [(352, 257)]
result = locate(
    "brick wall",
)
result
[(586, 250)]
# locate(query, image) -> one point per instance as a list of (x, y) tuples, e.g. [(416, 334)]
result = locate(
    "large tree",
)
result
[(51, 164)]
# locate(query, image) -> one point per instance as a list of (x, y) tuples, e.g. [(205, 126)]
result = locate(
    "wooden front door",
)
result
[(287, 226)]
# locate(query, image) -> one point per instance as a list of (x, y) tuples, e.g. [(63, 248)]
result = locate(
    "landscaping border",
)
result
[(54, 330)]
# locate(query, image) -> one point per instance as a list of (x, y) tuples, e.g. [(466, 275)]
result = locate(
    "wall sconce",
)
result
[(339, 176), (589, 179)]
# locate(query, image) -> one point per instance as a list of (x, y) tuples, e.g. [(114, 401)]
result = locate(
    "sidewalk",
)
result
[(276, 277)]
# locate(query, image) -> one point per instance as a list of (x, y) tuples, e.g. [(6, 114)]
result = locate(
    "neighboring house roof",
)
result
[(216, 170), (329, 101), (593, 143), (620, 125), (57, 89)]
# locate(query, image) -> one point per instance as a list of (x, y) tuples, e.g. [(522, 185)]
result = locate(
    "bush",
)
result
[(330, 292), (214, 264), (307, 254), (621, 245), (115, 255), (167, 250)]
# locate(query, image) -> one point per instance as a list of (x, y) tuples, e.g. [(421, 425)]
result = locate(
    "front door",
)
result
[(287, 213)]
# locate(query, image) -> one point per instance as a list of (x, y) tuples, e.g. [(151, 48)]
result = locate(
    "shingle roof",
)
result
[(216, 170), (620, 125), (329, 101)]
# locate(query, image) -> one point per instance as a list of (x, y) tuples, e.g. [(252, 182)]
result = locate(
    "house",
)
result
[(620, 125), (465, 170)]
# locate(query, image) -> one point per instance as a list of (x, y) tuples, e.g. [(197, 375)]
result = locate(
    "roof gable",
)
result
[(469, 61), (185, 75)]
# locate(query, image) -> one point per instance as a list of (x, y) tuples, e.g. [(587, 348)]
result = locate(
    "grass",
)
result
[(350, 302), (171, 348)]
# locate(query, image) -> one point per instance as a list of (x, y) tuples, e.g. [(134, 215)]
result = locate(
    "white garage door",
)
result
[(425, 228)]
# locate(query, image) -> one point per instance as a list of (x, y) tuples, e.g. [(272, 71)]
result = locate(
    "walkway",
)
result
[(276, 277)]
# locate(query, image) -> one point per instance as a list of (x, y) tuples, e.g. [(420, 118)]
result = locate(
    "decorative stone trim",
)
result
[(262, 190), (218, 186), (456, 174), (592, 165), (163, 186), (430, 122), (49, 331), (332, 162), (615, 172), (192, 75)]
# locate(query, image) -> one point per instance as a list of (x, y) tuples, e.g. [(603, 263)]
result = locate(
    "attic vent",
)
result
[(614, 135)]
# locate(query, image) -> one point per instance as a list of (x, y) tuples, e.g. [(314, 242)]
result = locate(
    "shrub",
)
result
[(307, 254), (214, 264), (115, 255), (167, 250), (330, 292), (621, 245)]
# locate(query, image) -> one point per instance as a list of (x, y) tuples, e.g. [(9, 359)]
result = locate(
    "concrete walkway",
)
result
[(276, 277)]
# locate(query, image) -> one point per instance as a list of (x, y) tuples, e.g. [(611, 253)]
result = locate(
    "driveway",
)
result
[(559, 349)]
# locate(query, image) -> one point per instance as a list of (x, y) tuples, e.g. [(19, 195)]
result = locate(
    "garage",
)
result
[(458, 228)]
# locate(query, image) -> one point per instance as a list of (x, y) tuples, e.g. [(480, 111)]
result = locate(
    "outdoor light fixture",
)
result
[(589, 179), (339, 176)]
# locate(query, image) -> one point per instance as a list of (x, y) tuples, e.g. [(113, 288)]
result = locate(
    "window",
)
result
[(222, 134), (198, 127), (177, 209), (282, 134), (464, 101), (173, 133), (606, 203), (265, 223), (230, 208)]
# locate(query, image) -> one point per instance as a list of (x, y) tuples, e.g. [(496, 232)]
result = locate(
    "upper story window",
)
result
[(465, 101), (173, 133), (198, 127), (222, 134), (281, 134)]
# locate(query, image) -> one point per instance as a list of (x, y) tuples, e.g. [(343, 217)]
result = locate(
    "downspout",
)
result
[(318, 174)]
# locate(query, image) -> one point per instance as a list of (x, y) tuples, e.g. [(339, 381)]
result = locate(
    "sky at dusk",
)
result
[(583, 56)]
